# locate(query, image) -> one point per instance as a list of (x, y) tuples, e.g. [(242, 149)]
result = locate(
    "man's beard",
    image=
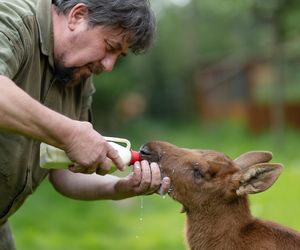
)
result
[(68, 76)]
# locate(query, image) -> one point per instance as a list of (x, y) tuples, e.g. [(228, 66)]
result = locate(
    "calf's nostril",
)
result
[(148, 154), (145, 151)]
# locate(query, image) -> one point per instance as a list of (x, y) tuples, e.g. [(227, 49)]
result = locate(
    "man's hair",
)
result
[(134, 17)]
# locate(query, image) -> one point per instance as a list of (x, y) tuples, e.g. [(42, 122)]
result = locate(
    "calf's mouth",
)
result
[(153, 153), (149, 154)]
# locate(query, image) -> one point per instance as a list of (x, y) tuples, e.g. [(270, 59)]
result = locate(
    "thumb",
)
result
[(115, 157)]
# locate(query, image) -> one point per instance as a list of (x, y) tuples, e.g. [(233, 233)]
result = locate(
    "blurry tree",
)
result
[(276, 15), (197, 34), (200, 32)]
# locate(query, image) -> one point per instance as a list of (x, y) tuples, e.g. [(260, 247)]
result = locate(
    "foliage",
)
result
[(195, 36)]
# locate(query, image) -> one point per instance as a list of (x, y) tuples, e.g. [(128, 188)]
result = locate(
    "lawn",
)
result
[(49, 221)]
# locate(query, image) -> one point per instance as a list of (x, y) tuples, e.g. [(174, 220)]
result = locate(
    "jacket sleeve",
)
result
[(11, 54)]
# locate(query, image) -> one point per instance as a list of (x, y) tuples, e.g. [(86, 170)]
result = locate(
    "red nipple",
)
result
[(135, 156)]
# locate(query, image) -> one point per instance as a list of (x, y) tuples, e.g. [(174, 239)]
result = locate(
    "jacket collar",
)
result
[(44, 20)]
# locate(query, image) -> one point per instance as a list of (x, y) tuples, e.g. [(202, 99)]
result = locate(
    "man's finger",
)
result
[(146, 176), (165, 186), (115, 157), (137, 174), (155, 176), (76, 168), (104, 167)]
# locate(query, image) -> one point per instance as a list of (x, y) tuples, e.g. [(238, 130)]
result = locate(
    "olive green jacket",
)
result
[(26, 57)]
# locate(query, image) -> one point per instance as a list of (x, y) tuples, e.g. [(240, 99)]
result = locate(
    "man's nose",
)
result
[(108, 62)]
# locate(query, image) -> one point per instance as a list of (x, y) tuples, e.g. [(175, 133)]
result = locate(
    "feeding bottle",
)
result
[(55, 158)]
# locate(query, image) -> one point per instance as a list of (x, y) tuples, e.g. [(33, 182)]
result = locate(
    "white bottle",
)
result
[(55, 158)]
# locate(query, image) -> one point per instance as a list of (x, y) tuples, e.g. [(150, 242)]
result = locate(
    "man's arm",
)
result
[(144, 179), (20, 113)]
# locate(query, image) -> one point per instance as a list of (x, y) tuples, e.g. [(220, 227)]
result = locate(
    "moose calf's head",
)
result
[(204, 176)]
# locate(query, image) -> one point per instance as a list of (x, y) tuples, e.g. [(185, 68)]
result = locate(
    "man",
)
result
[(48, 52)]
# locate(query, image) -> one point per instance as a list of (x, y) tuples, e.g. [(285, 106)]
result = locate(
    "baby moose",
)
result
[(213, 190)]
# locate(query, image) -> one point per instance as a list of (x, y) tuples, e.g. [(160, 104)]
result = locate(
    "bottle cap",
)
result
[(135, 156)]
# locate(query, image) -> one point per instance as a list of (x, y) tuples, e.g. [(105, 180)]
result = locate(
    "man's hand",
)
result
[(145, 179), (90, 152)]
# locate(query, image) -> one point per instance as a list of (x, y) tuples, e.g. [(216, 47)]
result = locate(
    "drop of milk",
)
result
[(141, 214), (142, 202)]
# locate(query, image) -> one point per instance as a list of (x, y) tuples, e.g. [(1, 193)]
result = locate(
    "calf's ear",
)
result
[(258, 178), (253, 157)]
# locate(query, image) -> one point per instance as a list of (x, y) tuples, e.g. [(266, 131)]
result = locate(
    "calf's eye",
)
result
[(197, 173)]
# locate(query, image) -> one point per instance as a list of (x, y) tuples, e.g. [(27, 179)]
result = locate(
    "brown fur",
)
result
[(213, 191)]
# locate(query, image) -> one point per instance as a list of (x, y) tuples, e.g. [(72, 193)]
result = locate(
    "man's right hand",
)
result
[(89, 151)]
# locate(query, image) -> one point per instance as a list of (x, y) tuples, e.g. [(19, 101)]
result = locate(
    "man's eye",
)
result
[(109, 47)]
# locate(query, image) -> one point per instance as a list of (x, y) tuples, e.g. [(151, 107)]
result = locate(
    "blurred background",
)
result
[(222, 75)]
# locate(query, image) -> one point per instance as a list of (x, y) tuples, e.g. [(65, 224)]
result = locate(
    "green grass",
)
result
[(48, 221)]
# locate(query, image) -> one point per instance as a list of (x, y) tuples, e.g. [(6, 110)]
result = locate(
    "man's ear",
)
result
[(258, 178), (77, 14)]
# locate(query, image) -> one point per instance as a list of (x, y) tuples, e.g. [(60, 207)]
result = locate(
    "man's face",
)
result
[(90, 50)]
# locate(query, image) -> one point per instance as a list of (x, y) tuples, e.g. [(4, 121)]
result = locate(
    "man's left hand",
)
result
[(145, 179)]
